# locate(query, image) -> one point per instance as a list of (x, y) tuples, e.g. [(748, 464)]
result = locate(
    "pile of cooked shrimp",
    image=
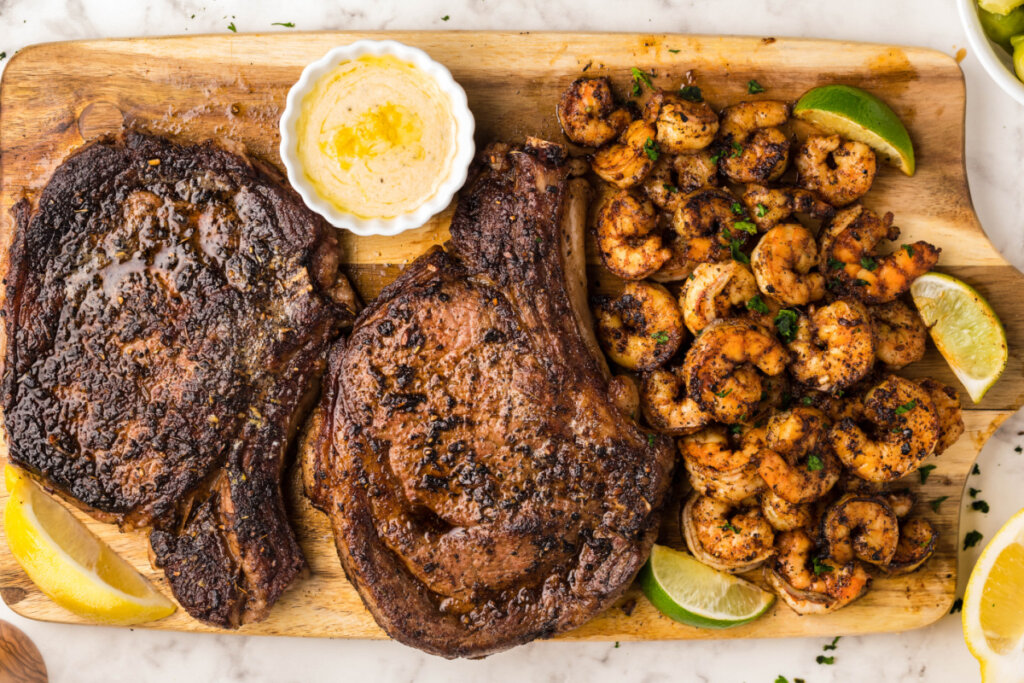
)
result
[(766, 342)]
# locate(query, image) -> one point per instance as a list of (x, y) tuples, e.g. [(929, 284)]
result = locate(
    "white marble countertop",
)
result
[(995, 147)]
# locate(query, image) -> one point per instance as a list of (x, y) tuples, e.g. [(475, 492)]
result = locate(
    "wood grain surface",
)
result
[(55, 96)]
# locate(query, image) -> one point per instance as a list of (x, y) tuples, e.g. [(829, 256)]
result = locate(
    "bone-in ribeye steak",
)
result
[(483, 488), (167, 310)]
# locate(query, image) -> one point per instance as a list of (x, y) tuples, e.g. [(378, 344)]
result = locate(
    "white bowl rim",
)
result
[(465, 148), (987, 53)]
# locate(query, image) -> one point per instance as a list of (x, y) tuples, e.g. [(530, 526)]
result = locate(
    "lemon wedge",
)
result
[(70, 565), (965, 329), (993, 611)]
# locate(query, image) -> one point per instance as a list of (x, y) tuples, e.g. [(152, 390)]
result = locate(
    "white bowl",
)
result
[(996, 60), (464, 146)]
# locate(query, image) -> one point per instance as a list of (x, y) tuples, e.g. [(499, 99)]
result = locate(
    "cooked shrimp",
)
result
[(628, 161), (783, 261), (726, 536), (906, 430), (916, 544), (665, 405), (947, 408), (625, 394), (754, 150), (706, 222), (900, 502), (717, 469), (783, 515), (834, 346), (848, 256), (797, 463), (840, 171), (672, 178), (715, 291), (809, 586), (900, 334), (627, 237), (721, 367), (860, 527), (642, 328), (588, 115), (769, 206), (683, 126)]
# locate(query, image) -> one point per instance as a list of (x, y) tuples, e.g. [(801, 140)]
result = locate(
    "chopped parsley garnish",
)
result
[(981, 506), (640, 79), (937, 502), (286, 24), (650, 439), (231, 27), (821, 568), (814, 463), (3, 55), (760, 210), (737, 253), (737, 208), (906, 407), (868, 262), (785, 323), (723, 393), (781, 679), (924, 471), (737, 149), (728, 526), (1018, 449), (651, 149), (758, 305), (754, 88), (445, 18), (909, 249), (971, 539), (832, 645), (974, 492), (675, 52), (661, 336), (691, 93), (822, 659), (745, 226), (975, 469), (859, 282), (717, 156), (958, 605), (807, 400), (670, 188), (834, 263), (736, 429)]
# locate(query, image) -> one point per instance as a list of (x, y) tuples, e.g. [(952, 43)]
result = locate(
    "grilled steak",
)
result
[(483, 488), (167, 312)]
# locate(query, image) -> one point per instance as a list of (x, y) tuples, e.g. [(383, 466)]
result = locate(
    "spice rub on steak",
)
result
[(167, 311), (483, 488)]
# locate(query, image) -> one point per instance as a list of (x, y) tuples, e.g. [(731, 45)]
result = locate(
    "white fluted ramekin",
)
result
[(464, 147)]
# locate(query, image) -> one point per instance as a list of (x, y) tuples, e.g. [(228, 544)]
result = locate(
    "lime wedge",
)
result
[(858, 115), (697, 595), (965, 329)]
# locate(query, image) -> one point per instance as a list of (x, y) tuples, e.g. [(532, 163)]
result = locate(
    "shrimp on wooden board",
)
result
[(752, 147), (841, 171), (682, 125), (850, 263), (783, 515), (784, 263), (715, 291), (797, 463), (861, 527), (720, 470), (834, 346), (900, 334), (770, 206), (674, 177), (723, 367), (810, 583), (727, 536), (628, 161), (665, 405), (628, 238), (904, 428), (640, 329), (588, 114), (947, 409), (917, 543)]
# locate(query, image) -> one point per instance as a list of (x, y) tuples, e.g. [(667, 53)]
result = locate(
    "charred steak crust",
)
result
[(167, 311), (482, 488)]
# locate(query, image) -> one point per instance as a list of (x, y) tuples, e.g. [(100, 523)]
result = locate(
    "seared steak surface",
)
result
[(483, 489), (167, 311)]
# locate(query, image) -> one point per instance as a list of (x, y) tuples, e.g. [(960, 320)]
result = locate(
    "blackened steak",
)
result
[(167, 310), (483, 488)]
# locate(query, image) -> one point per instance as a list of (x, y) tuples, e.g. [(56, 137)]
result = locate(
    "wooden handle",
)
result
[(20, 661)]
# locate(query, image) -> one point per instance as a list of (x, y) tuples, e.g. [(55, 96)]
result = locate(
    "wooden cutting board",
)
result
[(57, 95)]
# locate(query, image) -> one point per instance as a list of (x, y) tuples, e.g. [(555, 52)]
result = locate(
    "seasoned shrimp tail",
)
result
[(626, 162), (860, 527), (628, 238), (715, 291), (682, 126), (727, 536), (900, 334), (665, 405), (769, 206), (588, 114), (640, 329), (752, 147), (718, 469), (784, 263), (841, 171), (809, 582), (834, 346)]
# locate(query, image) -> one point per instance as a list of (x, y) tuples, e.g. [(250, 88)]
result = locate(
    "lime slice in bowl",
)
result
[(965, 329), (858, 115), (697, 595)]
